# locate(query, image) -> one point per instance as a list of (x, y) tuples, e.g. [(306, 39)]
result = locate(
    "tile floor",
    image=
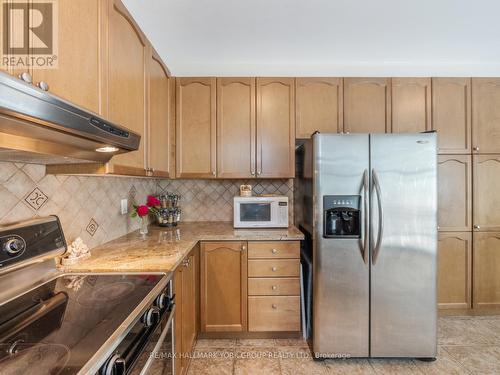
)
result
[(467, 345)]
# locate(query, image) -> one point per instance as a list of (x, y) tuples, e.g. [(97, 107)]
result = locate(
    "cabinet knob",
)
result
[(477, 227), (476, 148), (213, 173), (274, 306), (26, 77), (243, 248), (274, 287), (274, 269), (274, 251), (43, 85)]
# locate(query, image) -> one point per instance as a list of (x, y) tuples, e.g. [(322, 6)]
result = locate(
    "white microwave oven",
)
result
[(260, 212)]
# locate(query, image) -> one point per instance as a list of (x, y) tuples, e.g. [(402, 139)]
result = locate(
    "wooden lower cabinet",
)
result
[(486, 293), (274, 286), (186, 316), (455, 270), (223, 286), (273, 313)]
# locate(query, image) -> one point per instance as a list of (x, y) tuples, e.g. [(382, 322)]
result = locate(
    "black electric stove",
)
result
[(78, 323)]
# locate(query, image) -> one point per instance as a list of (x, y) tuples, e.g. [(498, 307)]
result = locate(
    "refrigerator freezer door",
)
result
[(403, 266), (341, 273)]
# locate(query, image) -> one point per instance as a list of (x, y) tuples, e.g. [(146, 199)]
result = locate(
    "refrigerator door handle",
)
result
[(366, 218), (376, 185)]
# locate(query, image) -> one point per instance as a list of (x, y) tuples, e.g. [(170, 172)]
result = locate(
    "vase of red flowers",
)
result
[(143, 211)]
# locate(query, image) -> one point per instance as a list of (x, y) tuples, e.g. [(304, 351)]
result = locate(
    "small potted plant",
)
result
[(143, 211)]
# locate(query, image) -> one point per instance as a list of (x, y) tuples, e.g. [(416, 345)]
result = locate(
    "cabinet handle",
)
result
[(476, 148), (477, 227), (274, 306), (274, 251), (274, 287), (26, 77), (274, 269), (43, 85), (213, 173)]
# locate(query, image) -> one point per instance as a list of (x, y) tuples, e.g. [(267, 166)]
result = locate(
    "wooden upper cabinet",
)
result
[(77, 76), (223, 286), (486, 115), (236, 127), (319, 106), (455, 270), (195, 127), (367, 105), (486, 171), (455, 192), (451, 114), (486, 279), (159, 134), (275, 127), (126, 76), (411, 105)]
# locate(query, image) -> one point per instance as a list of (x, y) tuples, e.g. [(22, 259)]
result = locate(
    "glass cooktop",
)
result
[(57, 327)]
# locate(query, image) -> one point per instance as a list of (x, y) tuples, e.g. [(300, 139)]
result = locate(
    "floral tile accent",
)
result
[(36, 199)]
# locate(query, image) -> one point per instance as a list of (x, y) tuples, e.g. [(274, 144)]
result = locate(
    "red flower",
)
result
[(153, 201), (142, 210)]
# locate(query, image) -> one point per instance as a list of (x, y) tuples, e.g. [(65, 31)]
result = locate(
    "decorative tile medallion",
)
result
[(92, 227), (36, 199)]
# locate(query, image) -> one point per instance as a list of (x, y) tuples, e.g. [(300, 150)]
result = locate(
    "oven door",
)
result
[(157, 356)]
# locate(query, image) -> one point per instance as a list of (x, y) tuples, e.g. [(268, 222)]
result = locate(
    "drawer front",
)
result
[(274, 268), (273, 287), (277, 313), (274, 249)]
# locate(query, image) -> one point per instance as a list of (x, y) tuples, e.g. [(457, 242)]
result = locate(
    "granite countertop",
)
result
[(164, 248)]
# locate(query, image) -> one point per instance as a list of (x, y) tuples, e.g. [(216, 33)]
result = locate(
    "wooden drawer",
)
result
[(274, 249), (276, 313), (273, 287), (273, 268)]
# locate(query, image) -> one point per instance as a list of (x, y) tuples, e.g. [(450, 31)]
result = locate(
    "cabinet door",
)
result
[(486, 280), (127, 55), (486, 171), (411, 105), (77, 76), (178, 362), (236, 127), (319, 106), (454, 192), (451, 114), (15, 42), (159, 142), (486, 115), (455, 270), (195, 127), (275, 127), (367, 105), (188, 308), (223, 286)]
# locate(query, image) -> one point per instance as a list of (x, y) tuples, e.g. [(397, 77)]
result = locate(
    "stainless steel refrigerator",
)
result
[(368, 206)]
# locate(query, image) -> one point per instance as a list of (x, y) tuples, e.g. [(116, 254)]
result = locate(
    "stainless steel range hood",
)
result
[(38, 127)]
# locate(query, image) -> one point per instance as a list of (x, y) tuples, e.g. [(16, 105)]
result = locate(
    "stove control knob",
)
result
[(115, 365), (151, 316), (162, 301), (14, 246)]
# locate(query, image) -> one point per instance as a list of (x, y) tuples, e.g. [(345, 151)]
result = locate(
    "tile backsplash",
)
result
[(89, 207)]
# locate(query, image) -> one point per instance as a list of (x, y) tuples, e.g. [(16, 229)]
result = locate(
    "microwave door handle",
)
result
[(365, 243), (376, 249)]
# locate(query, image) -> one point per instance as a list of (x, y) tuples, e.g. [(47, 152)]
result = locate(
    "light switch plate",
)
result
[(124, 206)]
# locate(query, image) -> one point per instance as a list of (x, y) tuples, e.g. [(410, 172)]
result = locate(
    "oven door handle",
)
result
[(161, 339)]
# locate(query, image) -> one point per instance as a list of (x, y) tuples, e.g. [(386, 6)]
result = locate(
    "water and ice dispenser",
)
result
[(341, 216)]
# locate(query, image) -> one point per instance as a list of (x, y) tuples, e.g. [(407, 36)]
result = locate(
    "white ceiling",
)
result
[(324, 37)]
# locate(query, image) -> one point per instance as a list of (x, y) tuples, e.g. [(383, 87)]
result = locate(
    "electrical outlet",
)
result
[(124, 206)]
